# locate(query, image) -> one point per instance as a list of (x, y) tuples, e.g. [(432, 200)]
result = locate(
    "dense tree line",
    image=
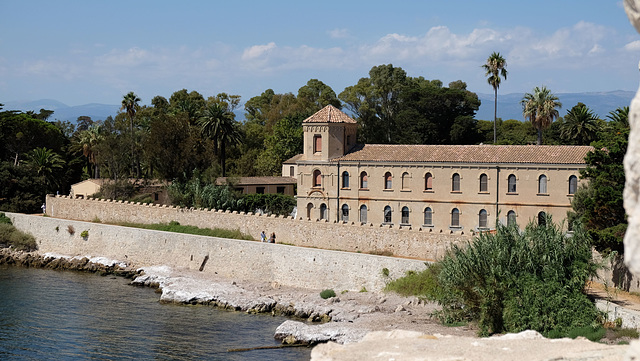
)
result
[(191, 136)]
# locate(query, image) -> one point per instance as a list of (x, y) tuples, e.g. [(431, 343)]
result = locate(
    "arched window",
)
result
[(363, 214), (405, 180), (455, 218), (484, 183), (511, 183), (291, 171), (428, 182), (428, 217), (511, 218), (345, 213), (482, 219), (309, 208), (387, 181), (455, 183), (324, 215), (317, 178), (573, 184), (345, 179), (542, 184), (364, 180), (405, 215), (542, 219), (387, 214)]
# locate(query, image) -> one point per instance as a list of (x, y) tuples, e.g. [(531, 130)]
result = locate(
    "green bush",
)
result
[(4, 219), (12, 237), (328, 293), (512, 281), (84, 234)]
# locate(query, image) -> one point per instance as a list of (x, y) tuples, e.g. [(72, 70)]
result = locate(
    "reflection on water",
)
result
[(47, 314)]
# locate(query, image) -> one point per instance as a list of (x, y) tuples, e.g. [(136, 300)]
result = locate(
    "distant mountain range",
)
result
[(508, 106)]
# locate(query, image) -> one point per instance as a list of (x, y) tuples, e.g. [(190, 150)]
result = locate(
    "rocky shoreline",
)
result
[(346, 318)]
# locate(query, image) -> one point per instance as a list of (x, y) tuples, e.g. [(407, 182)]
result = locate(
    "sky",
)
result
[(81, 52)]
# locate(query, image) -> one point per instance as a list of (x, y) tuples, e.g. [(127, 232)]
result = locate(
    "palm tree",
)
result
[(86, 141), (620, 115), (130, 105), (46, 162), (217, 123), (495, 68), (580, 125), (539, 108)]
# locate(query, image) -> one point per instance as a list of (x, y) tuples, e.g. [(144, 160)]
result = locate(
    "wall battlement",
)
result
[(420, 243)]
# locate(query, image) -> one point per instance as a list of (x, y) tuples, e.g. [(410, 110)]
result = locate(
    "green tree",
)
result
[(599, 206), (285, 142), (620, 115), (170, 146), (580, 126), (316, 95), (190, 103), (374, 101), (495, 69), (47, 164), (85, 141), (217, 123), (434, 114), (540, 108), (130, 106)]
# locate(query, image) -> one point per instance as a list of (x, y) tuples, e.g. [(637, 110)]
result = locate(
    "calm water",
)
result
[(58, 315)]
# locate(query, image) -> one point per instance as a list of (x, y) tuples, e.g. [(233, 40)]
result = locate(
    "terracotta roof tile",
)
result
[(546, 154), (329, 114)]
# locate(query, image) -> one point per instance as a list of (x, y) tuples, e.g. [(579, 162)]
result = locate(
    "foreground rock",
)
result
[(99, 265), (410, 345), (346, 318)]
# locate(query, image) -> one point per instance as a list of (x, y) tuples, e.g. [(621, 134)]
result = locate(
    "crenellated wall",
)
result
[(421, 244)]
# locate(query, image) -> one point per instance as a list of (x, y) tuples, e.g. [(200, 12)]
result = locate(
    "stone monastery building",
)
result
[(441, 187)]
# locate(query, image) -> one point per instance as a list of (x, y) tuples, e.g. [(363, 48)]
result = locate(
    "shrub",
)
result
[(12, 237), (71, 230), (4, 219), (512, 281), (328, 293), (84, 234)]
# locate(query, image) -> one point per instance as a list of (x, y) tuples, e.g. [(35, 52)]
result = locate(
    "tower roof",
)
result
[(329, 114)]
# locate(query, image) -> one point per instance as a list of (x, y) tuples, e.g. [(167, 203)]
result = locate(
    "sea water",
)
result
[(66, 315)]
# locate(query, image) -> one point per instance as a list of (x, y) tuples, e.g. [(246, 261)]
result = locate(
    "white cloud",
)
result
[(258, 51), (339, 33), (632, 46)]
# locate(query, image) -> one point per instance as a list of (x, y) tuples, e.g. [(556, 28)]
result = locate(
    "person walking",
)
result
[(263, 237)]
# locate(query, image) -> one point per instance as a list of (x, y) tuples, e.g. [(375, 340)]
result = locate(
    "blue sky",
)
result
[(82, 52)]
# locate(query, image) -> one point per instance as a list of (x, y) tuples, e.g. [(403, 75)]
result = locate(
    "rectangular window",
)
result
[(317, 143), (259, 190), (280, 190)]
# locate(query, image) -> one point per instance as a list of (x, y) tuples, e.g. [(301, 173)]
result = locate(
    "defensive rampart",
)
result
[(234, 259), (425, 244)]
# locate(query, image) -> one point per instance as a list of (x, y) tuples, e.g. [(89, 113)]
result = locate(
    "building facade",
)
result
[(445, 188)]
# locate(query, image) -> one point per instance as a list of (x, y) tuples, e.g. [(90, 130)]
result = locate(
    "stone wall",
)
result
[(234, 259), (353, 237)]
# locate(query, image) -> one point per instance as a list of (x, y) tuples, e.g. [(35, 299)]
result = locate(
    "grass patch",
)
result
[(178, 228), (12, 237), (421, 284), (328, 293)]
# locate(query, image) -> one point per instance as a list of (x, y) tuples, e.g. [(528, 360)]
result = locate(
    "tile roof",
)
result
[(329, 114), (243, 181), (545, 154), (294, 159)]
